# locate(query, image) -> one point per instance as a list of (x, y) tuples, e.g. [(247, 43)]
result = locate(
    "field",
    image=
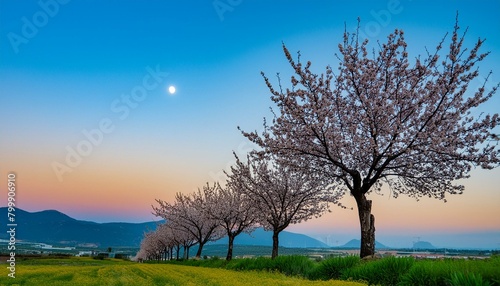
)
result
[(87, 271), (284, 270), (402, 271)]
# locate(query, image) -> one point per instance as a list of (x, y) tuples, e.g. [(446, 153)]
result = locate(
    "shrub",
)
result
[(214, 262), (293, 265), (122, 256), (387, 271), (333, 268), (439, 272), (488, 268), (259, 263), (426, 273), (470, 279)]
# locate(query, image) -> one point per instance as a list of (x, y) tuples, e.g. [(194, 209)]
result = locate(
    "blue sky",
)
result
[(80, 57)]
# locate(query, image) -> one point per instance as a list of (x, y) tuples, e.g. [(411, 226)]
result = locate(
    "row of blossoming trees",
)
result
[(381, 118), (258, 192)]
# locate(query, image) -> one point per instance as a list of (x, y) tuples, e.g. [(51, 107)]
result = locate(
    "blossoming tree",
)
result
[(280, 194), (189, 214), (233, 209), (385, 118)]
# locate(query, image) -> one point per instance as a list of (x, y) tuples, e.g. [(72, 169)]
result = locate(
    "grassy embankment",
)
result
[(87, 271), (386, 271)]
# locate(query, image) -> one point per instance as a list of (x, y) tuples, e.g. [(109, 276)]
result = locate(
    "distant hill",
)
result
[(423, 245), (355, 243), (54, 227), (260, 237)]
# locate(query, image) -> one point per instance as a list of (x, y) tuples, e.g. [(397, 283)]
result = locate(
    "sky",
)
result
[(89, 128)]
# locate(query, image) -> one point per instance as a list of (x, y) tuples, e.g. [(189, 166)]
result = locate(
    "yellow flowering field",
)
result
[(87, 272)]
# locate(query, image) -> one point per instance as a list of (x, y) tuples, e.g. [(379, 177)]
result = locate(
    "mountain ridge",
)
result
[(423, 245), (55, 227), (356, 243)]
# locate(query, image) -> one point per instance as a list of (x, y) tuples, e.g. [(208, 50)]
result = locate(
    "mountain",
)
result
[(355, 243), (260, 237), (54, 227), (423, 245)]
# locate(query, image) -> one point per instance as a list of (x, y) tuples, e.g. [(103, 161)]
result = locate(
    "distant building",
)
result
[(85, 253), (50, 247)]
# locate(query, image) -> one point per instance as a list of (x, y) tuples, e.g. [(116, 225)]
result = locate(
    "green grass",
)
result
[(387, 271), (440, 272), (89, 272), (284, 270), (333, 268)]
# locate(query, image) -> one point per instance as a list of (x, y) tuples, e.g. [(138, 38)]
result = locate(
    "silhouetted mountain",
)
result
[(356, 243), (423, 245), (261, 237), (53, 227)]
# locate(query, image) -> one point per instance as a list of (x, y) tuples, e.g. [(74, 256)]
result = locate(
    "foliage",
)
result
[(99, 257), (189, 215), (294, 265), (233, 209), (386, 271), (385, 117), (197, 218), (281, 195), (291, 265), (470, 279), (121, 256), (439, 272), (334, 268), (423, 275)]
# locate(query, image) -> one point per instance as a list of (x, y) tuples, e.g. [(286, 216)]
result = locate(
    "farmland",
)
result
[(284, 270), (87, 271)]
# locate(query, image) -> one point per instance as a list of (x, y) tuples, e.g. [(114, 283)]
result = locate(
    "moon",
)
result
[(171, 89)]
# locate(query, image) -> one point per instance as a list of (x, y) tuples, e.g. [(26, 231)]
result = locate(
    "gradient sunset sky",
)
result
[(68, 70)]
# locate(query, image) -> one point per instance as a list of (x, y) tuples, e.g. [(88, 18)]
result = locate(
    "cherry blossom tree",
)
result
[(152, 247), (189, 214), (170, 238), (183, 238), (281, 194), (234, 211), (385, 118), (179, 237)]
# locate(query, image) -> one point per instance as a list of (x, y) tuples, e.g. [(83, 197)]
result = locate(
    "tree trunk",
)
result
[(275, 244), (200, 248), (229, 255), (178, 251), (186, 252), (367, 223)]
